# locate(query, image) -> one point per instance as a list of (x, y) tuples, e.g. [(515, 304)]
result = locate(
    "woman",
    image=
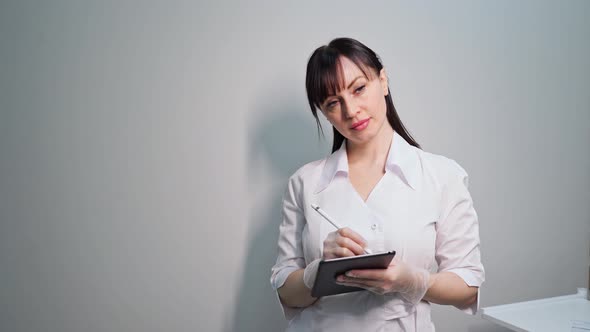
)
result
[(389, 194)]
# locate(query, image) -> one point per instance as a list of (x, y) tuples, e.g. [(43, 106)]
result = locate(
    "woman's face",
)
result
[(359, 110)]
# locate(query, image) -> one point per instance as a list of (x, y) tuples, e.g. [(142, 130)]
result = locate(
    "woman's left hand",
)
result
[(411, 282)]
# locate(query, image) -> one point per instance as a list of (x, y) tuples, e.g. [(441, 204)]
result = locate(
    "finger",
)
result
[(362, 283), (371, 286), (347, 242), (339, 252), (330, 245), (331, 237), (344, 278), (365, 285), (356, 237), (367, 274)]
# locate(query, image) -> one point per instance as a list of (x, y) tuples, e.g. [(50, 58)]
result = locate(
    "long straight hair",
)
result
[(324, 77)]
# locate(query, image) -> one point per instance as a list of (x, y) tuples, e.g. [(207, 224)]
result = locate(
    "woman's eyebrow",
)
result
[(351, 83)]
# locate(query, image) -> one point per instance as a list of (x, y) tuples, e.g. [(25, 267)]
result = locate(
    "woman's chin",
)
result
[(361, 138)]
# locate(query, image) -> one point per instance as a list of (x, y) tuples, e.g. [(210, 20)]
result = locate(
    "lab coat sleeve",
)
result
[(457, 236), (290, 250)]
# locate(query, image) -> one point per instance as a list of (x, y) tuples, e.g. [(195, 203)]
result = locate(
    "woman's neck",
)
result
[(373, 152)]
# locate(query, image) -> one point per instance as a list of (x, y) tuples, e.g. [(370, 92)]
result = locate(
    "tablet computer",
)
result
[(325, 281)]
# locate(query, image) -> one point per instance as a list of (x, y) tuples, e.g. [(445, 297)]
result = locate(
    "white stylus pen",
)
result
[(327, 217)]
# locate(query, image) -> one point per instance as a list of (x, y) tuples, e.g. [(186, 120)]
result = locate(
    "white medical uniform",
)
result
[(420, 208)]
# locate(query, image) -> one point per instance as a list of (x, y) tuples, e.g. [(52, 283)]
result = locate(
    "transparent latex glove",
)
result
[(343, 242), (409, 281), (415, 285)]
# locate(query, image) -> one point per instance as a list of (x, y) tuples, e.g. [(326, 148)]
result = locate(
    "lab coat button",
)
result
[(374, 226)]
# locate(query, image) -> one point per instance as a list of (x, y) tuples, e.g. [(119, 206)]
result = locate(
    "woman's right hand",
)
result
[(343, 243)]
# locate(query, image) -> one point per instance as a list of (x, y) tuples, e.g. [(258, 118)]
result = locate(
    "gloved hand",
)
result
[(409, 281), (341, 243), (415, 284)]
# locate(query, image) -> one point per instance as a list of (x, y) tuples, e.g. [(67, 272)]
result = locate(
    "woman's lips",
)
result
[(360, 125)]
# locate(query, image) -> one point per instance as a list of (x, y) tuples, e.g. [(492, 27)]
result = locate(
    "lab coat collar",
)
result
[(402, 160), (335, 163)]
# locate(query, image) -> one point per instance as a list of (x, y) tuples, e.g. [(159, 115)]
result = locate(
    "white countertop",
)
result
[(554, 314)]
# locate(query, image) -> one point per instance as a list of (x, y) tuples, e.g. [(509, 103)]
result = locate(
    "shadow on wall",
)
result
[(281, 139)]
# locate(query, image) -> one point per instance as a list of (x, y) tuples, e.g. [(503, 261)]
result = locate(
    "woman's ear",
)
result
[(383, 81)]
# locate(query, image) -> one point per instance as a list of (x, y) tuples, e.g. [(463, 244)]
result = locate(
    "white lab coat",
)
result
[(420, 208)]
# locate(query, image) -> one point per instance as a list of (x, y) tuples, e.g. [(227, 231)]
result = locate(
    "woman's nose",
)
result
[(350, 108)]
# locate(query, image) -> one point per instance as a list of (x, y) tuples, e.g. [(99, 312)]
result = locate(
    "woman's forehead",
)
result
[(347, 71), (350, 70)]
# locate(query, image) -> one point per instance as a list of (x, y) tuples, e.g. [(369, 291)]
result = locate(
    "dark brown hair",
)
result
[(324, 78)]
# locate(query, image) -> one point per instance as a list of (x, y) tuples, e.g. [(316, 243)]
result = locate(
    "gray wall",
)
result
[(145, 146)]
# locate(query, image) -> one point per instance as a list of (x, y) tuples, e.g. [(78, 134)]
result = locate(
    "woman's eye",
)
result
[(331, 104), (359, 89)]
